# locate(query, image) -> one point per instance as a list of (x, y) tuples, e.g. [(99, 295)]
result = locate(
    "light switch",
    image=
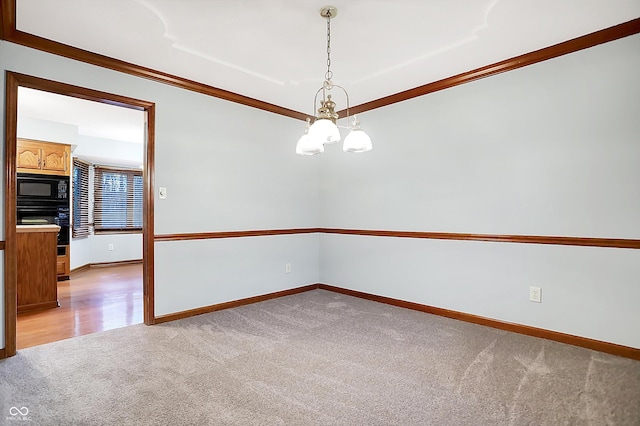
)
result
[(162, 193)]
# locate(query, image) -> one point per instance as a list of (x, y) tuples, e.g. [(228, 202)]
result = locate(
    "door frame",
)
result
[(15, 80)]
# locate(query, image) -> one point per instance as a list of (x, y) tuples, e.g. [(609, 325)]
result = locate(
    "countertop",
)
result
[(37, 228)]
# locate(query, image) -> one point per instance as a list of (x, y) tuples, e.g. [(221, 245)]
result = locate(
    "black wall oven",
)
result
[(43, 199), (43, 215)]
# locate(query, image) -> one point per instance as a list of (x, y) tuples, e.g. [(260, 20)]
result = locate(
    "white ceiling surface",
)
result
[(275, 50)]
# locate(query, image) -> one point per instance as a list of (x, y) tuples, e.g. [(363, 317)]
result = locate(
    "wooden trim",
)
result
[(7, 18), (3, 353), (65, 89), (80, 268), (2, 244), (597, 345), (148, 218), (10, 221), (38, 306), (111, 231), (11, 33), (599, 37), (118, 263), (233, 304), (106, 265), (522, 239), (13, 81), (234, 234)]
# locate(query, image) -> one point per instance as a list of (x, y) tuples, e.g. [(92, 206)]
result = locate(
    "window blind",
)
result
[(117, 199), (80, 186)]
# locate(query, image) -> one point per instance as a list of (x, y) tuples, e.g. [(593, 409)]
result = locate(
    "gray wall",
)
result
[(550, 149)]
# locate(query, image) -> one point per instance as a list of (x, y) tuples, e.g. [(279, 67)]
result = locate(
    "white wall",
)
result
[(226, 167), (109, 152), (45, 130), (95, 249), (81, 252), (550, 149)]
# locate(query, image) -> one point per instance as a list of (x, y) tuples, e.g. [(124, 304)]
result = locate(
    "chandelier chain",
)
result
[(329, 74)]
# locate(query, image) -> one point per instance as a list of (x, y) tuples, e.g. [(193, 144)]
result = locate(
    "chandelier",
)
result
[(324, 129)]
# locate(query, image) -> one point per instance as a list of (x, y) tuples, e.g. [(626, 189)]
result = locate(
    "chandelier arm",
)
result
[(315, 99), (346, 94)]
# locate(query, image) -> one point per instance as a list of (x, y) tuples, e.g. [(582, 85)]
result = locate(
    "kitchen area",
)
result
[(43, 222), (71, 282)]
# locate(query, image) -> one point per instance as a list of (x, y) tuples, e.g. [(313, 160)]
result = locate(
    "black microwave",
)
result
[(31, 188)]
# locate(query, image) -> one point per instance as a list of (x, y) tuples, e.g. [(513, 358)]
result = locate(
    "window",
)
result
[(118, 200), (80, 226)]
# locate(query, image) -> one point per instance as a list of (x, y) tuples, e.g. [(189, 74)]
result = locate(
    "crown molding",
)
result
[(9, 32), (584, 42)]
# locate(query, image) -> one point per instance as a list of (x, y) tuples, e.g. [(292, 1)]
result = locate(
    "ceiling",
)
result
[(92, 118), (275, 50)]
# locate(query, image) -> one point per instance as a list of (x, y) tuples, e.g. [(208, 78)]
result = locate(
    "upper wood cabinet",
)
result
[(43, 157)]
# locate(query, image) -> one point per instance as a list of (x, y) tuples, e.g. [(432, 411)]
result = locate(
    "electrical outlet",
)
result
[(535, 294), (110, 247), (287, 268)]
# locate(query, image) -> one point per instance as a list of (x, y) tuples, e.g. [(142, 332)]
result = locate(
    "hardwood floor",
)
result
[(93, 300)]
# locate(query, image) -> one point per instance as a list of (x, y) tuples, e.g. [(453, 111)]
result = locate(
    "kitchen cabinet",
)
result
[(37, 286), (43, 157), (63, 263)]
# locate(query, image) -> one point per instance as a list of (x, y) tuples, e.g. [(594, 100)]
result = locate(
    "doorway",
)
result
[(16, 81)]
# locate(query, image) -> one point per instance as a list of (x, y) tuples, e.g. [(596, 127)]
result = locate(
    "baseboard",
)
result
[(105, 265), (3, 353), (596, 345), (38, 306), (80, 269), (118, 263), (232, 304)]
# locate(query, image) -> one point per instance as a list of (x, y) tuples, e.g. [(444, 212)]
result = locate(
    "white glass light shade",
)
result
[(357, 141), (308, 146), (324, 130)]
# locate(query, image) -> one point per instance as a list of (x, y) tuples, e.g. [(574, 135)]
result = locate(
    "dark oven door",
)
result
[(33, 187), (44, 215)]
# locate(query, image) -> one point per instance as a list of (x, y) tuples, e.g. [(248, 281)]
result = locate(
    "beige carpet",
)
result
[(316, 358)]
